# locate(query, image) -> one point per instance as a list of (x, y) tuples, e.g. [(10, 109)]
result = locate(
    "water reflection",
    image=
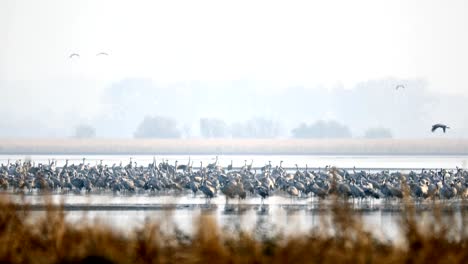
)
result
[(277, 215)]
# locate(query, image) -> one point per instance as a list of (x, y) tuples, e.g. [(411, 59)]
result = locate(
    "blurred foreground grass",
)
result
[(51, 239)]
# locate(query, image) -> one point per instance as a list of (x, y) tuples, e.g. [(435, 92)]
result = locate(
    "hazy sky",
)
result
[(282, 44), (289, 42)]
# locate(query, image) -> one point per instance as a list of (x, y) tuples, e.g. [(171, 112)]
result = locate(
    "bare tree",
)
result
[(84, 131), (322, 129), (255, 128), (186, 130), (157, 127), (213, 128)]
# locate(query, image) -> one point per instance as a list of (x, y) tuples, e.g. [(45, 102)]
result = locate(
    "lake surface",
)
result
[(277, 214)]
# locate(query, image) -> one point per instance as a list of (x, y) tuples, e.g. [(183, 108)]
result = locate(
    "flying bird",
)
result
[(74, 55), (102, 54), (399, 86), (436, 126)]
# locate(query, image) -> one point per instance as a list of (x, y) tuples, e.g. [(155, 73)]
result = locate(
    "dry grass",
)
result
[(53, 240), (235, 146)]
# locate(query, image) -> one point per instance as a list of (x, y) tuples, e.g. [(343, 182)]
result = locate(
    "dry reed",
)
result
[(52, 239), (428, 146)]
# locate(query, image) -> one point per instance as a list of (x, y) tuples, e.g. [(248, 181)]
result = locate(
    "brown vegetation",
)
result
[(235, 146), (51, 239)]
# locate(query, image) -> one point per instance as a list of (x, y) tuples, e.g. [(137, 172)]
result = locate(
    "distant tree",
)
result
[(84, 131), (263, 128), (378, 132), (238, 130), (186, 131), (212, 128), (157, 127), (255, 128), (302, 131), (321, 129)]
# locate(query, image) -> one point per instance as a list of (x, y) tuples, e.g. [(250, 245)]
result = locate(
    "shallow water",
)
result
[(350, 161), (276, 214)]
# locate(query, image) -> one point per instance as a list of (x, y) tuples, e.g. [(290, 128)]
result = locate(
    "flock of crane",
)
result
[(246, 181)]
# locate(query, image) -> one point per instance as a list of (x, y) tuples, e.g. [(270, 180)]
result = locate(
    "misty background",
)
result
[(134, 107), (249, 69)]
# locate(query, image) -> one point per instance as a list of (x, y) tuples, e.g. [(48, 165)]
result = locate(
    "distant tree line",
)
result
[(166, 127), (213, 128), (124, 104), (253, 128), (157, 127), (256, 128), (84, 131), (322, 129)]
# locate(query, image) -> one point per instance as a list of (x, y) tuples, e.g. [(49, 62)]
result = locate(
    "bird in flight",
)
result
[(399, 86), (436, 126), (74, 55), (102, 54)]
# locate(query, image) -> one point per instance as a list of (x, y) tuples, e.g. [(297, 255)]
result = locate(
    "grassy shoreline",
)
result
[(51, 239), (236, 146)]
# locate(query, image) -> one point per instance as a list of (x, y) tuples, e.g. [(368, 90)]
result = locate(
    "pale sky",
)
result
[(255, 45), (312, 43)]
